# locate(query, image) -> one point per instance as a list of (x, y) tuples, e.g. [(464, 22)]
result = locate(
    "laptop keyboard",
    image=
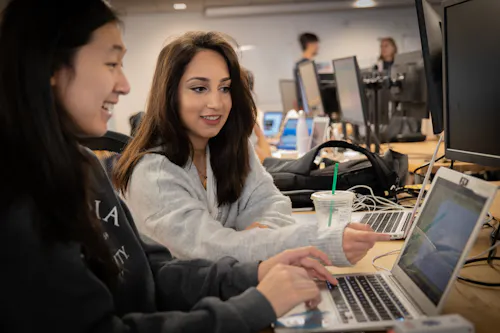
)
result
[(384, 222), (366, 298)]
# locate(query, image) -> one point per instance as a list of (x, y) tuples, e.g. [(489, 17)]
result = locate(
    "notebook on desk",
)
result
[(426, 269)]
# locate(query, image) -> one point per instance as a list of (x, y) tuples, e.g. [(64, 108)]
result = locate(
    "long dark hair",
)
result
[(162, 124), (41, 158)]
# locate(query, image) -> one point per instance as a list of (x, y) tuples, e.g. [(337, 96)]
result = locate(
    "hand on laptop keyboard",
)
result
[(300, 257), (358, 239), (286, 286), (286, 279)]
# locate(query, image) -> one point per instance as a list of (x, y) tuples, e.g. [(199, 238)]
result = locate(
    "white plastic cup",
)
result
[(339, 204)]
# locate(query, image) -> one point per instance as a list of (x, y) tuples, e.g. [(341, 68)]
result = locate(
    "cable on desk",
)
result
[(372, 202), (451, 164), (495, 239), (381, 256), (489, 260), (427, 164), (483, 253), (490, 219)]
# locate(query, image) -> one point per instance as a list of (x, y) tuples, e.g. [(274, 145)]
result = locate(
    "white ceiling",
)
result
[(152, 6), (134, 6), (276, 6)]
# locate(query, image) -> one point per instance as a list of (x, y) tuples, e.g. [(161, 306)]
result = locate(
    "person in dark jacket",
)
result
[(309, 43), (72, 258)]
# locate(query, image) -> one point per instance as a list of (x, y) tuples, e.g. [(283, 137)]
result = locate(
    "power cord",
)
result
[(491, 257), (495, 239), (381, 256), (427, 164), (372, 202)]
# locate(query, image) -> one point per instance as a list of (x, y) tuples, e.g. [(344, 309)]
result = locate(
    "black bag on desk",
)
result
[(299, 178)]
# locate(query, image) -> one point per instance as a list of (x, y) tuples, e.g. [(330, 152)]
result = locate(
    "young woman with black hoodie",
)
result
[(72, 258)]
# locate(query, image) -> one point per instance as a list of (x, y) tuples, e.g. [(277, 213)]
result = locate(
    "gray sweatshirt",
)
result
[(170, 205), (51, 289)]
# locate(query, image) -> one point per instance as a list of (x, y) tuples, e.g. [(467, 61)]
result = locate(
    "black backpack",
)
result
[(301, 177)]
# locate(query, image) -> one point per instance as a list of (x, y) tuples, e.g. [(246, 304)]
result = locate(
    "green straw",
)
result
[(334, 186)]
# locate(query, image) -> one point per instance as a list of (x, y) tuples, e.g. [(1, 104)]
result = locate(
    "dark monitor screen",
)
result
[(431, 38), (471, 67), (310, 89), (350, 91)]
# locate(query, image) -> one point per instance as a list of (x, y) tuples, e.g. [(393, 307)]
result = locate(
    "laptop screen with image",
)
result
[(438, 240), (288, 140), (272, 123)]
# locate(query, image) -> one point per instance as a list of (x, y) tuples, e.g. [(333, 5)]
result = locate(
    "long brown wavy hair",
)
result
[(162, 125)]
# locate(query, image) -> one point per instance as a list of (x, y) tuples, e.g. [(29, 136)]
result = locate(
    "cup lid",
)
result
[(327, 195)]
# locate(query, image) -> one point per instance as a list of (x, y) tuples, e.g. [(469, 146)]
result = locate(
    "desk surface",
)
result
[(415, 150), (420, 153)]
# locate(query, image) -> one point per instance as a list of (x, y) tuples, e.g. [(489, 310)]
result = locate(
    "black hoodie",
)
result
[(54, 291)]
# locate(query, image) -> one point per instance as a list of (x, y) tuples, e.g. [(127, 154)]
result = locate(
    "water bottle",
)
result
[(302, 134)]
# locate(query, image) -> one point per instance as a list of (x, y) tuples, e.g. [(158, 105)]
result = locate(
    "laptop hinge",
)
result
[(401, 289)]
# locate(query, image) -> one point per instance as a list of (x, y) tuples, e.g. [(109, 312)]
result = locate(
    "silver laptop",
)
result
[(426, 269), (397, 223)]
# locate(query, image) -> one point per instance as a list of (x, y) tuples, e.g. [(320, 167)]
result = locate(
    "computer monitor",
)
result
[(471, 63), (288, 95), (288, 139), (350, 91), (326, 78), (431, 37), (272, 123), (409, 88), (309, 83)]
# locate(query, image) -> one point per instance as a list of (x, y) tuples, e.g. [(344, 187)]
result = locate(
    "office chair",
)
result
[(135, 121), (107, 148)]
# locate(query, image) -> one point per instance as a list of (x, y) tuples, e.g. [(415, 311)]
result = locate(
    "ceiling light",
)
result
[(180, 6), (244, 48), (364, 3)]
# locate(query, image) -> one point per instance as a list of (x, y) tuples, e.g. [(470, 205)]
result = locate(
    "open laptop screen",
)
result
[(440, 236), (272, 123), (288, 140)]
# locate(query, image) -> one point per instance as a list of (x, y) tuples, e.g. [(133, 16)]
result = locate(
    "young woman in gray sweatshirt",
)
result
[(193, 181), (72, 259)]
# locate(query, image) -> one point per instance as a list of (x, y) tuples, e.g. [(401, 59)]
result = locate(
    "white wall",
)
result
[(276, 46)]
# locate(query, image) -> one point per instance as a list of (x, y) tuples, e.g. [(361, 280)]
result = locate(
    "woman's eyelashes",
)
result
[(201, 90), (114, 64)]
